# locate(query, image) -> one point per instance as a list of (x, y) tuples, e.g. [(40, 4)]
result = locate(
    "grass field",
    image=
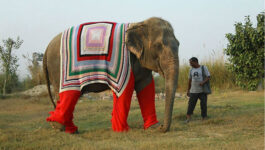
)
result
[(236, 123)]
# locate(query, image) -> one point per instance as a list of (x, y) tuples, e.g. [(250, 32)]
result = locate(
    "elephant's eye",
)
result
[(158, 46)]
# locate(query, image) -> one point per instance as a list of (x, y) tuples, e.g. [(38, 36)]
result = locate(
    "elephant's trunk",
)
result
[(171, 81)]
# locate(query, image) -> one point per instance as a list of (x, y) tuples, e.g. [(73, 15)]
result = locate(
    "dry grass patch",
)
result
[(236, 122)]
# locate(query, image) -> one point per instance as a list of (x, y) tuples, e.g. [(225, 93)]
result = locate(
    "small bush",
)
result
[(246, 53)]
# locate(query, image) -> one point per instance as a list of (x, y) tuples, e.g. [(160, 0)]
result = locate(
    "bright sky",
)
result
[(200, 25)]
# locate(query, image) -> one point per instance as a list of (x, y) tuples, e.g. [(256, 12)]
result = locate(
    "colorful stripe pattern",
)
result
[(94, 52)]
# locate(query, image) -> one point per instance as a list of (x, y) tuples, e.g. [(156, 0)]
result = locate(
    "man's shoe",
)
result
[(205, 118), (187, 121)]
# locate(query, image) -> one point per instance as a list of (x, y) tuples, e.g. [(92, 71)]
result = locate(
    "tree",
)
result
[(246, 53), (9, 61), (35, 68)]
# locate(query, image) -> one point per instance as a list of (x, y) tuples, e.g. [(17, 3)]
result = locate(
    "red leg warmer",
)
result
[(121, 107), (63, 112), (146, 99)]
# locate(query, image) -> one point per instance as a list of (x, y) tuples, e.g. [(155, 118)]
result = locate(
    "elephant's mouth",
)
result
[(160, 70)]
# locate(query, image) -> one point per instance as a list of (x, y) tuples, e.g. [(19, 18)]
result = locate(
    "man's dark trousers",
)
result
[(193, 100)]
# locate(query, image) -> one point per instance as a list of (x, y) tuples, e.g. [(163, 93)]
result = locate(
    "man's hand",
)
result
[(188, 94), (206, 80)]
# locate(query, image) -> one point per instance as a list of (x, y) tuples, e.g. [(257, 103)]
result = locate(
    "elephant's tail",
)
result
[(45, 70)]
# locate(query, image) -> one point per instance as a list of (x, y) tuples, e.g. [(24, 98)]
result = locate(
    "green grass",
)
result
[(236, 122)]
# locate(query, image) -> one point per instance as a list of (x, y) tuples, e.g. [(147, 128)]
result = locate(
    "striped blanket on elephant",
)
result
[(94, 52)]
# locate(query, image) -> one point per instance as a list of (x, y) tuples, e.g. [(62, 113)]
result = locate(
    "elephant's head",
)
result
[(154, 44)]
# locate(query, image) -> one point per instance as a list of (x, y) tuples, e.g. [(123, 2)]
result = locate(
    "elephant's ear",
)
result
[(135, 37)]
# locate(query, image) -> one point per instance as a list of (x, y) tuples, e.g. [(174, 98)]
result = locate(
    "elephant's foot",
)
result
[(57, 126), (163, 129), (157, 127), (154, 126), (60, 127)]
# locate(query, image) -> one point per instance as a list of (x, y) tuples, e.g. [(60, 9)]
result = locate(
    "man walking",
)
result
[(195, 88)]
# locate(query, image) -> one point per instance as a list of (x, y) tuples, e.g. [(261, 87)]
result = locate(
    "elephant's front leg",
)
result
[(121, 107), (146, 97)]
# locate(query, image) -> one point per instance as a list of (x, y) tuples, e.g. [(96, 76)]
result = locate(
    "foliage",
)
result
[(35, 69), (183, 78), (10, 86), (9, 63), (246, 53), (159, 84), (221, 78)]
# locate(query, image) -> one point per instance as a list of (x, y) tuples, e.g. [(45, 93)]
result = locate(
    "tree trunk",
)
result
[(4, 88)]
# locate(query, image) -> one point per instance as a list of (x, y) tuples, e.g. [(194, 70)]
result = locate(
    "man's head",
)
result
[(194, 62)]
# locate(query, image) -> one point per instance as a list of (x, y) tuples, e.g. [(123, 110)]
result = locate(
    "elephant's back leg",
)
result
[(53, 63)]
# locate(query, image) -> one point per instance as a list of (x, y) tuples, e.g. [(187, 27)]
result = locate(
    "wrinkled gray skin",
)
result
[(153, 47)]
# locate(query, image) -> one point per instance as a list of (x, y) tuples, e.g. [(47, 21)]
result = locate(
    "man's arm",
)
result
[(189, 86), (205, 80)]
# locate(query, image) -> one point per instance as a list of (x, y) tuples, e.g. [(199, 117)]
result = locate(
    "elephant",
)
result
[(152, 46)]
